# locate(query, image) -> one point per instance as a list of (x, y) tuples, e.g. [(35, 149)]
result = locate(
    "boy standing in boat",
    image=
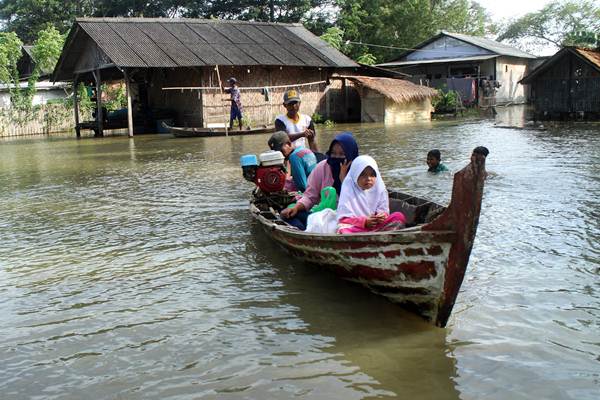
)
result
[(299, 127), (236, 102)]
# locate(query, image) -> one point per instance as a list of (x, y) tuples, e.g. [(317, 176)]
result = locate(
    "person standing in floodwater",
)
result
[(434, 158)]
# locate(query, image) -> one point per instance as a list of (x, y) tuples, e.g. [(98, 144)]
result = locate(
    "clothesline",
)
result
[(182, 88)]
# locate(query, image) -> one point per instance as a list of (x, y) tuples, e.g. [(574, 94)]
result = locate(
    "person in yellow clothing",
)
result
[(299, 127)]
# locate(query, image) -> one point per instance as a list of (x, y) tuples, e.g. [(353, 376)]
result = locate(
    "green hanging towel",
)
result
[(328, 199)]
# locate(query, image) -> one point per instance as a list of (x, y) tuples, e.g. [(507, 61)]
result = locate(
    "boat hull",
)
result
[(421, 267), (181, 132)]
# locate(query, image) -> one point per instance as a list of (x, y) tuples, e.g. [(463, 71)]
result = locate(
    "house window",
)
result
[(506, 68)]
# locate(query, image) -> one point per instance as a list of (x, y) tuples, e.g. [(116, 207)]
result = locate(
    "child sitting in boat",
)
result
[(364, 202), (302, 161)]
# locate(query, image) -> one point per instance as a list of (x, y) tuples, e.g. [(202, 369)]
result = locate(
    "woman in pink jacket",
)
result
[(329, 172)]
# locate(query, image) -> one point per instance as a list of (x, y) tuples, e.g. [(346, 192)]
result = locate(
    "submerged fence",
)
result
[(39, 120)]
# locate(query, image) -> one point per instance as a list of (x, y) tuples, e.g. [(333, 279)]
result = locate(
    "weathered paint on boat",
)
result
[(421, 267)]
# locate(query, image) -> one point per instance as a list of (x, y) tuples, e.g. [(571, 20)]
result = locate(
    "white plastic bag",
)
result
[(324, 221)]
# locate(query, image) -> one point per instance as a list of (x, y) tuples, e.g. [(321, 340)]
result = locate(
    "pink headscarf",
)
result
[(356, 202)]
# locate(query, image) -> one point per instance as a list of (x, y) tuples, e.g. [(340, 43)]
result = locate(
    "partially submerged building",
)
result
[(392, 101), (484, 72), (173, 68), (567, 85)]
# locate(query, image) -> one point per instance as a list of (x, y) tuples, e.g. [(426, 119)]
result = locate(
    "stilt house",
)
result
[(172, 68)]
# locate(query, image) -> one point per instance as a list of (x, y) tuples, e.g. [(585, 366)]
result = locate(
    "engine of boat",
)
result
[(270, 179), (268, 174)]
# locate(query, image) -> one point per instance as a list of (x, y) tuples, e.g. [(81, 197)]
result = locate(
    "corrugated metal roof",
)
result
[(491, 45), (499, 49), (437, 60), (164, 43)]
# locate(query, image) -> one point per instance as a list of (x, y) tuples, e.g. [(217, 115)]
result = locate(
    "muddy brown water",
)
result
[(130, 269)]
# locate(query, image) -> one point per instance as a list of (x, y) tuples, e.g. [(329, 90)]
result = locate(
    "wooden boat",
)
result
[(420, 267), (181, 132)]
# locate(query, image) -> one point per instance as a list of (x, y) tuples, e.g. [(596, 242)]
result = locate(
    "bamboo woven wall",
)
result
[(258, 108), (42, 120), (208, 106)]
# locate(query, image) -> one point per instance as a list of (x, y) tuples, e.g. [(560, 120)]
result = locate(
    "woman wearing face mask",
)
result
[(329, 172)]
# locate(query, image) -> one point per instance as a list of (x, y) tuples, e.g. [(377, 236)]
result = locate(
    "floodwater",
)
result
[(130, 269)]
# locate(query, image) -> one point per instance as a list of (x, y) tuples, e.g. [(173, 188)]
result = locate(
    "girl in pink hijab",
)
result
[(364, 203)]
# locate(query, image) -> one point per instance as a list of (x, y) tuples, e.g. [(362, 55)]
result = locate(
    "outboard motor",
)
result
[(269, 175)]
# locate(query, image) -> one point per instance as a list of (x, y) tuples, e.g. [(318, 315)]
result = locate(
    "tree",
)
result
[(45, 52), (334, 36), (10, 52), (27, 17), (309, 11), (561, 23), (405, 23)]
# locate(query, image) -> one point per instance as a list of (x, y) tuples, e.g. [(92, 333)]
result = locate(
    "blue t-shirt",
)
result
[(302, 162)]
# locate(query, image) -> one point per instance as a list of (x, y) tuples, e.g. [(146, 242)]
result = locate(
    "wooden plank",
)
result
[(76, 106), (129, 108)]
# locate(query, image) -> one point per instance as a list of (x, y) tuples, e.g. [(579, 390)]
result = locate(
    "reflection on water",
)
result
[(130, 269)]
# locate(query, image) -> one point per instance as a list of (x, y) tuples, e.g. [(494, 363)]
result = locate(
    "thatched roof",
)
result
[(398, 90)]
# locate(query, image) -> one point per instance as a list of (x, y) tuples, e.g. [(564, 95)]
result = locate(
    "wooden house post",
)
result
[(129, 108), (76, 106), (345, 95), (99, 116)]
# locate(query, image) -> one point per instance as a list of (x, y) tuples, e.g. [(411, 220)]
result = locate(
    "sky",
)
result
[(505, 9), (502, 10)]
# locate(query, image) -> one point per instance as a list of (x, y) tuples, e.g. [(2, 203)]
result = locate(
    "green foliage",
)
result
[(367, 59), (116, 96), (83, 95), (334, 36), (317, 118), (562, 23), (10, 52), (47, 48), (329, 124), (404, 23), (246, 121), (445, 101)]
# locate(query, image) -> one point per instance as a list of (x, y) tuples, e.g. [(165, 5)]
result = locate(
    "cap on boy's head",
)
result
[(278, 139), (435, 153), (232, 80), (481, 150), (290, 96)]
